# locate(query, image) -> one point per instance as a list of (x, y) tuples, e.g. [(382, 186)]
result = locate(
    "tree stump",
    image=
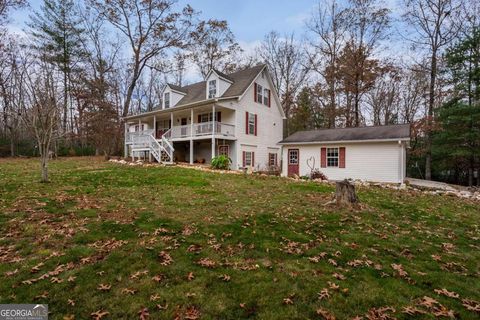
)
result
[(345, 193)]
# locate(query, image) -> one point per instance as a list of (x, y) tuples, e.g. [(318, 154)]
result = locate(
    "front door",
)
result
[(293, 162), (183, 123)]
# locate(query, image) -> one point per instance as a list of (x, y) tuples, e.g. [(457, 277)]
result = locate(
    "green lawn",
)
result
[(188, 244)]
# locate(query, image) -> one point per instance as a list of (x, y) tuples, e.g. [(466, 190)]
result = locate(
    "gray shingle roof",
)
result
[(399, 131), (176, 88), (196, 92)]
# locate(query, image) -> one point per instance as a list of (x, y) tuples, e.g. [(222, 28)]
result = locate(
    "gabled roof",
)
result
[(241, 80), (390, 132), (220, 74), (174, 87)]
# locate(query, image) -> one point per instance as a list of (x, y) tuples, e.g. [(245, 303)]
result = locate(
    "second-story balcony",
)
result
[(203, 129)]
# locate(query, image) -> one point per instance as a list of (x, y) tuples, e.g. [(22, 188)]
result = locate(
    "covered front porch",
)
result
[(195, 133)]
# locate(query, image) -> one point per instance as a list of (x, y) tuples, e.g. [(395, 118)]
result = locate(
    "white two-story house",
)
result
[(238, 115)]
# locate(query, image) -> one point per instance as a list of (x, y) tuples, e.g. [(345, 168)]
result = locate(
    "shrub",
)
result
[(221, 162), (317, 174)]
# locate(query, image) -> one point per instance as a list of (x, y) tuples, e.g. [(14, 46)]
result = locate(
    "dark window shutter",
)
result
[(255, 124), (243, 156), (253, 159), (246, 122), (219, 116), (323, 157), (341, 162), (269, 98), (199, 118), (255, 91)]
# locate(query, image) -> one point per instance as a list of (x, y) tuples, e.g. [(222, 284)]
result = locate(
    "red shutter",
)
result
[(253, 159), (341, 162), (199, 118), (243, 155), (255, 91), (219, 116), (269, 98), (255, 124), (323, 157), (246, 123)]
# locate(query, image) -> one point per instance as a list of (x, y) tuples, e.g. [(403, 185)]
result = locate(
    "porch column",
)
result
[(155, 126), (213, 131), (191, 151), (171, 120), (139, 125), (125, 147), (191, 122)]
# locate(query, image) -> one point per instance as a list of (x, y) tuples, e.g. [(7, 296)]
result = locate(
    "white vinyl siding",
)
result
[(370, 161)]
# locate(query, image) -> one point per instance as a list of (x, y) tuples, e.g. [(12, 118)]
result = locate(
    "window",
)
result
[(259, 94), (266, 97), (166, 100), (332, 157), (272, 159), (249, 155), (205, 117), (293, 157), (251, 123), (137, 128), (212, 89), (223, 150)]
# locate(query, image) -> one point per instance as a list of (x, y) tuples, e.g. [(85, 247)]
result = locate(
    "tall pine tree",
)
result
[(458, 142), (56, 38)]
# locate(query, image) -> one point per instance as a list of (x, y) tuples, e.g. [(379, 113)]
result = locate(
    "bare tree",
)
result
[(436, 23), (151, 28), (214, 46), (328, 26), (384, 97), (40, 107), (7, 5), (288, 65)]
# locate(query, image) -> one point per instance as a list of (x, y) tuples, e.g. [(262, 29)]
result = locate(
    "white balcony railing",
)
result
[(203, 129)]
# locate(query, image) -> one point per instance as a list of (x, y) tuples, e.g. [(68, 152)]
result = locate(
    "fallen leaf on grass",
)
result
[(410, 310), (104, 287), (225, 277), (190, 276), (69, 317), (323, 294), (143, 314), (447, 293), (325, 314), (97, 315), (71, 302), (471, 305), (128, 291), (207, 263), (165, 258)]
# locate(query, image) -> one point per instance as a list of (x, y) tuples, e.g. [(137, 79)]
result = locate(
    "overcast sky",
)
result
[(251, 20)]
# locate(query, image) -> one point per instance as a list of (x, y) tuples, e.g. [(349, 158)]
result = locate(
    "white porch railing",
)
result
[(130, 136), (202, 129)]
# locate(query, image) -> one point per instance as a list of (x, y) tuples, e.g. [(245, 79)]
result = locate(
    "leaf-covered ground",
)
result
[(106, 241)]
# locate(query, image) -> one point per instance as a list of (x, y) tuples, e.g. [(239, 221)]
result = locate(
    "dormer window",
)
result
[(166, 100), (212, 89)]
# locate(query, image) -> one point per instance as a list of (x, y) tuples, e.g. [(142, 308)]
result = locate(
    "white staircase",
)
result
[(161, 151)]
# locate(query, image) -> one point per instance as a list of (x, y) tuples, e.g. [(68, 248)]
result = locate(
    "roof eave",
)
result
[(342, 141)]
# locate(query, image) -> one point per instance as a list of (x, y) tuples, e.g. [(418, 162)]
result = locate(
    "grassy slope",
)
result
[(259, 231)]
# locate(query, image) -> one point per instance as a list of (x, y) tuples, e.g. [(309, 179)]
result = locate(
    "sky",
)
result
[(249, 20)]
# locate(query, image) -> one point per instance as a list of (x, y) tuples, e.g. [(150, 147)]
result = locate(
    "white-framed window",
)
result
[(259, 93), (223, 150), (251, 123), (293, 156), (166, 100), (206, 117), (332, 157), (137, 128), (266, 96), (272, 159), (212, 89), (249, 158)]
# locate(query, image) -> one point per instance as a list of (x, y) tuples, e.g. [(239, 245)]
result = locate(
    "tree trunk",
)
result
[(44, 165), (345, 193), (431, 104)]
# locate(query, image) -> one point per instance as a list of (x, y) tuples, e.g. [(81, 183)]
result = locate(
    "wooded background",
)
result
[(83, 65)]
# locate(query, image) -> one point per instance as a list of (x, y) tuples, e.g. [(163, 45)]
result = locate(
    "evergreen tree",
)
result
[(458, 141), (304, 115), (57, 39)]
